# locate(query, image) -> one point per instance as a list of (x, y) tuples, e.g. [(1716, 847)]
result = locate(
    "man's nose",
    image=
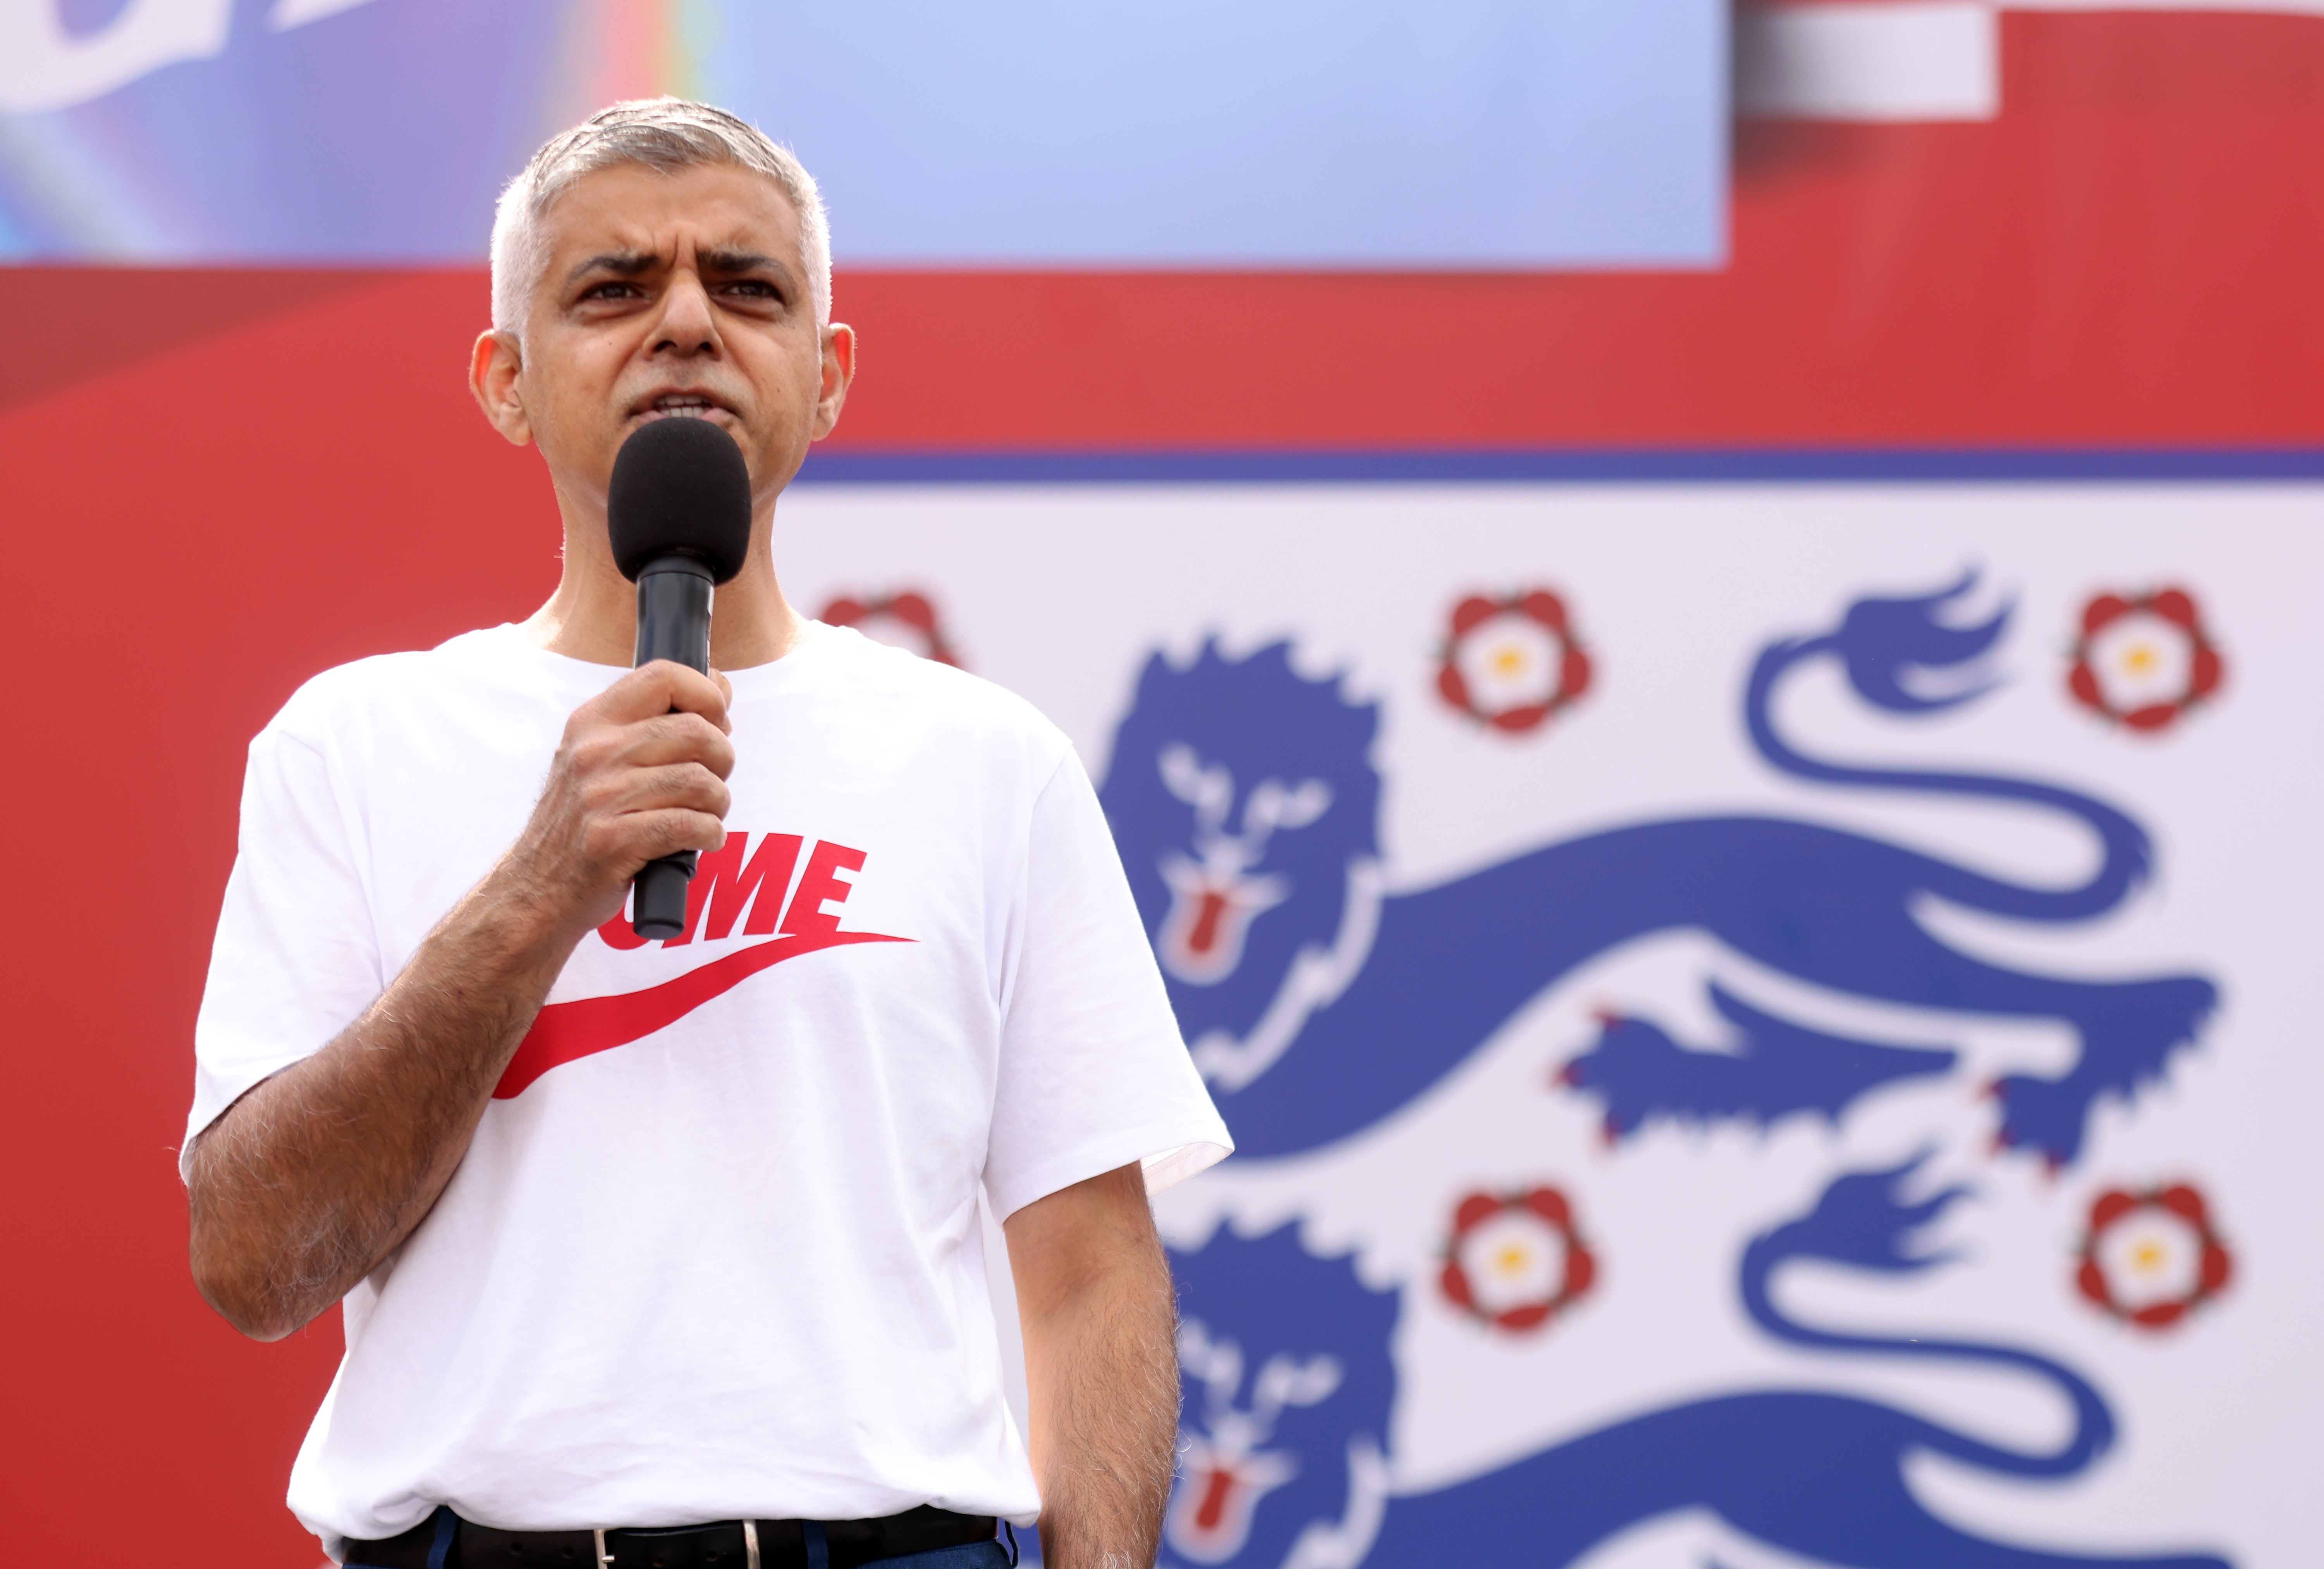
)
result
[(689, 325)]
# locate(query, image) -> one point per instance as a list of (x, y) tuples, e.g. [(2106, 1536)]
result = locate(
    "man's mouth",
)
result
[(682, 406)]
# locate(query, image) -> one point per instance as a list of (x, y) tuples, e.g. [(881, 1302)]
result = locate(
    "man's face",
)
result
[(669, 296)]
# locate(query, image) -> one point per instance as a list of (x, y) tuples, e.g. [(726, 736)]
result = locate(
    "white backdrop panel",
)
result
[(1741, 1025)]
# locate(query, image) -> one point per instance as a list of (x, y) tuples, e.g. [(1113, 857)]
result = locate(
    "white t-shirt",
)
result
[(715, 1252)]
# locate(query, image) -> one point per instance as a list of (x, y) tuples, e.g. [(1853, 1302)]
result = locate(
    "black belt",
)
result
[(721, 1544)]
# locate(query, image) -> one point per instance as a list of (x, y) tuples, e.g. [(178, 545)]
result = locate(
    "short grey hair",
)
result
[(666, 135)]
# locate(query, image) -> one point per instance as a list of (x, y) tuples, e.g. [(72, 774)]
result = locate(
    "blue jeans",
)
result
[(975, 1556)]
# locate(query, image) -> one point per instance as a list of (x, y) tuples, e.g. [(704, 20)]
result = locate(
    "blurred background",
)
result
[(1624, 418)]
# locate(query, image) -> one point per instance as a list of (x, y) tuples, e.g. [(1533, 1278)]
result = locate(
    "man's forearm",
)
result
[(310, 1180), (306, 1182), (1101, 1356), (1111, 1445)]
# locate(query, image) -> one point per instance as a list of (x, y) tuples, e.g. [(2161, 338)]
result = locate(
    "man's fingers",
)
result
[(660, 687), (645, 789), (668, 739), (682, 830), (633, 838)]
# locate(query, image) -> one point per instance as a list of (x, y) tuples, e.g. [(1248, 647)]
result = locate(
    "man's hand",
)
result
[(640, 774), (1100, 1318), (312, 1179)]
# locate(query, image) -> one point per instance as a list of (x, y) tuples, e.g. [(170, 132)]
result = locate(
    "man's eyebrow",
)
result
[(621, 263), (737, 262), (729, 263)]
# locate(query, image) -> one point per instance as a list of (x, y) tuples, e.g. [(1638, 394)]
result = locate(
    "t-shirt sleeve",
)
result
[(1093, 1074), (296, 958)]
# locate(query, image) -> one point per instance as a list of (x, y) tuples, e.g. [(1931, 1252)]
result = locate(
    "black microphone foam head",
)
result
[(680, 488)]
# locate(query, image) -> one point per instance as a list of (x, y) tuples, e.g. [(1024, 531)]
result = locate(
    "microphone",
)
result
[(678, 514)]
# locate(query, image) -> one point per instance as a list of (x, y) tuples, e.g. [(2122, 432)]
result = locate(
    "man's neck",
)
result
[(594, 614)]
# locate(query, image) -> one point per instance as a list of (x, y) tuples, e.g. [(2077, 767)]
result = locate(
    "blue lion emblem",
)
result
[(1316, 1003), (1244, 802), (1287, 1388), (1818, 1474)]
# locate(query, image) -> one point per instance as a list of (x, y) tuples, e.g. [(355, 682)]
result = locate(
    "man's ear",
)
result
[(838, 374), (492, 369)]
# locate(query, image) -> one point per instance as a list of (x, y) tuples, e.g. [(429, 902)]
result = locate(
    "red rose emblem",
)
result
[(906, 620), (1512, 662), (2145, 661), (1516, 1261), (2151, 1257)]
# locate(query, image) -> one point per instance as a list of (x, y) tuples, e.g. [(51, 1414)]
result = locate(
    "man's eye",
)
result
[(754, 289), (610, 291)]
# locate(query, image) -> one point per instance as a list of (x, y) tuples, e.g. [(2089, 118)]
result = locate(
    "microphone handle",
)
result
[(674, 625)]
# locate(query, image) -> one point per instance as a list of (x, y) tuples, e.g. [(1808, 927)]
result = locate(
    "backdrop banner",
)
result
[(1764, 1024)]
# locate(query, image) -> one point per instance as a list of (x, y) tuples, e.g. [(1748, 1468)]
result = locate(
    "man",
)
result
[(670, 1254)]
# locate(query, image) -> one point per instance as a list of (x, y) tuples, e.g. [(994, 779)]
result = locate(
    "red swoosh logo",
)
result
[(566, 1032)]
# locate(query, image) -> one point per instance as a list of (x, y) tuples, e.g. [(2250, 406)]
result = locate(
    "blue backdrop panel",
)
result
[(1379, 132), (1384, 132)]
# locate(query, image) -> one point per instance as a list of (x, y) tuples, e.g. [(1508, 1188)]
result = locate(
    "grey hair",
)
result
[(666, 135)]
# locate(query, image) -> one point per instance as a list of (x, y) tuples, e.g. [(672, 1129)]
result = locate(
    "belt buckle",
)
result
[(749, 1546)]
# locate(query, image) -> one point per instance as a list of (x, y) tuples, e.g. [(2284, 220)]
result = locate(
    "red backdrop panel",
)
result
[(194, 535)]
